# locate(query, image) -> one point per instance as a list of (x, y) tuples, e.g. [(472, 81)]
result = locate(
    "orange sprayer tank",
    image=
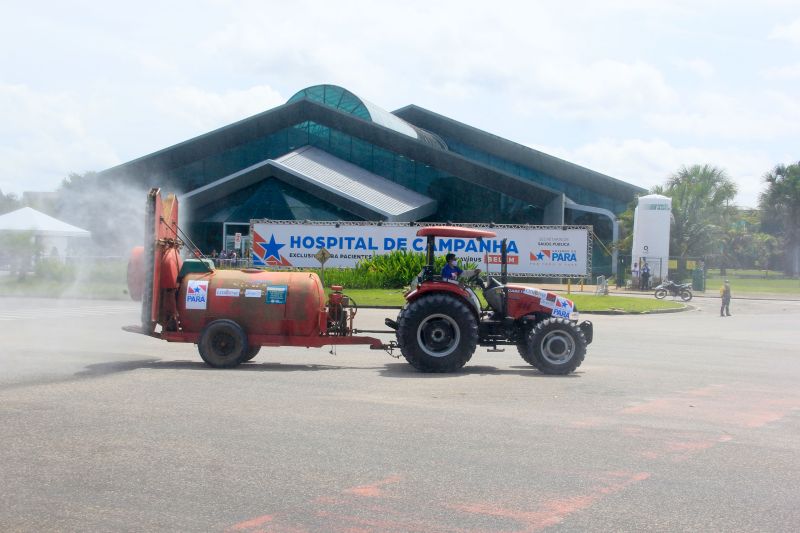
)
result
[(262, 302)]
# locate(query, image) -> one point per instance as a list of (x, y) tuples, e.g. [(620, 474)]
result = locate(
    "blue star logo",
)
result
[(271, 249), (540, 256)]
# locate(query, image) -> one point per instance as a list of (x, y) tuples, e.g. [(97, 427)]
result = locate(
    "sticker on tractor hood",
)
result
[(252, 293), (228, 292), (559, 306), (197, 294)]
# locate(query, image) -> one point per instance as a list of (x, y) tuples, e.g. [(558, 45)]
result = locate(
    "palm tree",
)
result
[(702, 197), (780, 205)]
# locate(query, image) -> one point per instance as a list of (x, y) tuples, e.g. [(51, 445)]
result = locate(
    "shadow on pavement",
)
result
[(104, 369), (403, 370), (394, 370)]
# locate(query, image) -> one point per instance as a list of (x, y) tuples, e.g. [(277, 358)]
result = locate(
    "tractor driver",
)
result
[(451, 272)]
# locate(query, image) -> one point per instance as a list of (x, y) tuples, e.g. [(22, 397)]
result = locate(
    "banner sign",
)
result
[(554, 251)]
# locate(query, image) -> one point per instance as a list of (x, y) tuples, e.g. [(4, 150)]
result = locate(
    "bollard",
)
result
[(582, 280)]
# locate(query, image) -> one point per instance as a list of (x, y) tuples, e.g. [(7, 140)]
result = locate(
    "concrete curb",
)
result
[(685, 307)]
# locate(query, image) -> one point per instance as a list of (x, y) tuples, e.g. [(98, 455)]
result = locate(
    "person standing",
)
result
[(725, 293), (645, 277)]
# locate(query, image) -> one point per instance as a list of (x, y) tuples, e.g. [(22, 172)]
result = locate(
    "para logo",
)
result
[(197, 294), (554, 256), (267, 253)]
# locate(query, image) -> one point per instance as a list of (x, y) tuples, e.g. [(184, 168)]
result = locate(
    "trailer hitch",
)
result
[(389, 348)]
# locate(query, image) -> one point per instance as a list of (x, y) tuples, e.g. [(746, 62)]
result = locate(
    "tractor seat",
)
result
[(493, 293)]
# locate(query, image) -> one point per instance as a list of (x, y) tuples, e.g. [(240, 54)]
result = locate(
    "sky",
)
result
[(632, 89)]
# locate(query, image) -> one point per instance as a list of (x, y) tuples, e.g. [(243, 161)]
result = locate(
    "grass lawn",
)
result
[(745, 285), (585, 302), (100, 290)]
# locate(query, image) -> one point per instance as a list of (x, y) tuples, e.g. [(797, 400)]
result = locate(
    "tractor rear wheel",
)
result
[(555, 346), (437, 333), (223, 344)]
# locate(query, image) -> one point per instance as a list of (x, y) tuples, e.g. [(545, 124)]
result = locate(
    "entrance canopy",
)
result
[(325, 176)]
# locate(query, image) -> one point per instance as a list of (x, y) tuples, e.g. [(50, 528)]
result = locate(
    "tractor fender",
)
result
[(445, 286)]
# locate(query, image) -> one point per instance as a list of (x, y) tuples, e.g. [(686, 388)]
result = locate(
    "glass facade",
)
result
[(335, 97), (341, 99), (457, 200), (574, 192)]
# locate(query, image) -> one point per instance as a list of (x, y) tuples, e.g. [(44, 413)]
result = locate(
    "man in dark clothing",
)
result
[(645, 277), (725, 293)]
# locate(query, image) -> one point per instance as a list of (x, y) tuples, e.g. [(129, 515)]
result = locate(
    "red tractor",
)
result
[(442, 321)]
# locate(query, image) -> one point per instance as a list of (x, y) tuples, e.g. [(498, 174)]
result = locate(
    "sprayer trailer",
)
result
[(231, 314)]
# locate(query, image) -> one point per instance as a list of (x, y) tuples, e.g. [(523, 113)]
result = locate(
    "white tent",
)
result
[(48, 231)]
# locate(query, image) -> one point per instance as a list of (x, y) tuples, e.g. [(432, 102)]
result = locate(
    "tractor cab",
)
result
[(429, 279)]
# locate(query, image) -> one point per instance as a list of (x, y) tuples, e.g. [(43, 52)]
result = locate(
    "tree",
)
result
[(702, 197), (8, 202), (780, 206)]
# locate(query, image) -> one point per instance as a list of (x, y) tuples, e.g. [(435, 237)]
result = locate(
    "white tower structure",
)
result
[(651, 222)]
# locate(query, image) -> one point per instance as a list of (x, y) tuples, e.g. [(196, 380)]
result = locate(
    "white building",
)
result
[(651, 226), (52, 235)]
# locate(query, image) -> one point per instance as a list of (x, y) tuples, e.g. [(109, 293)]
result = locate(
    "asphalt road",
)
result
[(675, 422)]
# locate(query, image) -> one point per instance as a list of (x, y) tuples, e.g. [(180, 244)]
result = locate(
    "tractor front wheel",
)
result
[(437, 333), (555, 346), (223, 344)]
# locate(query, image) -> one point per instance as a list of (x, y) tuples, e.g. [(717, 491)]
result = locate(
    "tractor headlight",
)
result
[(574, 316)]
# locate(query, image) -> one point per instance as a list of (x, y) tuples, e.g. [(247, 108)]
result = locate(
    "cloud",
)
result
[(761, 116), (599, 89), (650, 162), (786, 72), (205, 110), (699, 67), (44, 136), (787, 32)]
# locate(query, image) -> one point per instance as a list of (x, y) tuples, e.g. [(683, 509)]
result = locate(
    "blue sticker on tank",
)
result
[(276, 294)]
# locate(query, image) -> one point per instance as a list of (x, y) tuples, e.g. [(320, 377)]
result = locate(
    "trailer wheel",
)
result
[(555, 346), (223, 344), (252, 351), (437, 333)]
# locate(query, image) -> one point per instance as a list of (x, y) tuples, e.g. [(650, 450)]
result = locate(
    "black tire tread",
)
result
[(413, 313), (205, 338), (251, 353), (535, 359)]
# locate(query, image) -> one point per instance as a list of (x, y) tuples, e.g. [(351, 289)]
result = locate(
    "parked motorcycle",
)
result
[(684, 290)]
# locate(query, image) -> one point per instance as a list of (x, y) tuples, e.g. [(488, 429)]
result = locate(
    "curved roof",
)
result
[(343, 100)]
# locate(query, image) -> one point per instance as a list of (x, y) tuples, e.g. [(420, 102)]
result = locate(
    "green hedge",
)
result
[(394, 270)]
